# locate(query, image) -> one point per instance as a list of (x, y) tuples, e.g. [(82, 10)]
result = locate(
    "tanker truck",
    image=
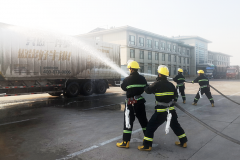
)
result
[(33, 62)]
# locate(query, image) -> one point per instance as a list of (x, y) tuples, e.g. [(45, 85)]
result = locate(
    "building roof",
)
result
[(220, 53), (192, 37), (98, 31)]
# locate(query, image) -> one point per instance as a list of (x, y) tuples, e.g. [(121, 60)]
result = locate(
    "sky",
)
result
[(214, 20)]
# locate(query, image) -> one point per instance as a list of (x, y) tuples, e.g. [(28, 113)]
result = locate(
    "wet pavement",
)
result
[(38, 127)]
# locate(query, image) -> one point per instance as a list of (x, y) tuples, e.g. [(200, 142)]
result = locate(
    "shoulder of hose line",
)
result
[(175, 78), (125, 83), (196, 80), (151, 88)]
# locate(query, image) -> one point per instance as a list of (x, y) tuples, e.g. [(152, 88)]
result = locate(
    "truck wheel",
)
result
[(101, 87), (72, 89), (87, 88), (55, 94)]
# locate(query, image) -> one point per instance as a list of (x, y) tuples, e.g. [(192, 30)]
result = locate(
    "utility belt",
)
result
[(164, 105), (165, 109), (133, 100), (180, 84)]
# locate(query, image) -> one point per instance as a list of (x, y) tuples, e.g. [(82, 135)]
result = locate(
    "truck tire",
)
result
[(87, 88), (101, 87), (72, 89), (55, 94)]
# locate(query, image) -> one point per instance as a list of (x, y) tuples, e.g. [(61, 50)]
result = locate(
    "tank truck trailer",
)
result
[(33, 64)]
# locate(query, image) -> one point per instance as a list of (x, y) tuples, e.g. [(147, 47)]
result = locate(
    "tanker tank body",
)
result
[(33, 61)]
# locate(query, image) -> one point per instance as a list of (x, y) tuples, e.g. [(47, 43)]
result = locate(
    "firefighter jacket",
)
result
[(163, 89), (179, 78), (202, 80), (134, 84)]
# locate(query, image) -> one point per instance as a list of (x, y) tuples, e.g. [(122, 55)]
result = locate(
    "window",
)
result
[(141, 68), (188, 52), (132, 53), (141, 54), (169, 57), (184, 60), (156, 69), (169, 47), (188, 61), (169, 68), (156, 56), (175, 70), (174, 48), (163, 57), (179, 50), (156, 44), (187, 70), (131, 40), (149, 69), (162, 46), (183, 51), (180, 60), (141, 41), (149, 55), (149, 43), (97, 38), (175, 58)]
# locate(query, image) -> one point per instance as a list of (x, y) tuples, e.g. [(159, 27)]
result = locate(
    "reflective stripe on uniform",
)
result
[(211, 99), (136, 85), (181, 78), (127, 131), (144, 129), (183, 96), (179, 85), (164, 94), (139, 98), (202, 80), (181, 136), (203, 86), (196, 99), (165, 109), (148, 139)]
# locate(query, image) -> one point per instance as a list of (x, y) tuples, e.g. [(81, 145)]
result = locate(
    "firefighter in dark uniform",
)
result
[(204, 87), (134, 86), (164, 93), (180, 79)]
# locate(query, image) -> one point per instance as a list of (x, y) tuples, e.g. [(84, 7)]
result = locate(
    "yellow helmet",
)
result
[(133, 64), (180, 70), (200, 71), (162, 69)]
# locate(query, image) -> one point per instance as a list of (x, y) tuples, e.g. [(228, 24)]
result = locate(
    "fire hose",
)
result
[(221, 94), (207, 126)]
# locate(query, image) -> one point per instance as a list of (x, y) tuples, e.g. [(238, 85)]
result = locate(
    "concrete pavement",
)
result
[(82, 128)]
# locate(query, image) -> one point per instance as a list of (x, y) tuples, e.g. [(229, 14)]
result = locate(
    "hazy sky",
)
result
[(215, 20)]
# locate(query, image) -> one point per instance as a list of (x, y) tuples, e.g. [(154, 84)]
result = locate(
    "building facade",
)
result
[(149, 49), (219, 59)]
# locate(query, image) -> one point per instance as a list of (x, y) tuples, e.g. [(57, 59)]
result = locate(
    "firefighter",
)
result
[(204, 88), (180, 79), (164, 93), (134, 106)]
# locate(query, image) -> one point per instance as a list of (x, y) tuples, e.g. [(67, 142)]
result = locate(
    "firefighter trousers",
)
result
[(157, 119), (205, 90), (181, 90), (139, 109)]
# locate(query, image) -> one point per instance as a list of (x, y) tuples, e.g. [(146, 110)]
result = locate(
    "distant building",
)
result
[(219, 59), (149, 49), (205, 58)]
